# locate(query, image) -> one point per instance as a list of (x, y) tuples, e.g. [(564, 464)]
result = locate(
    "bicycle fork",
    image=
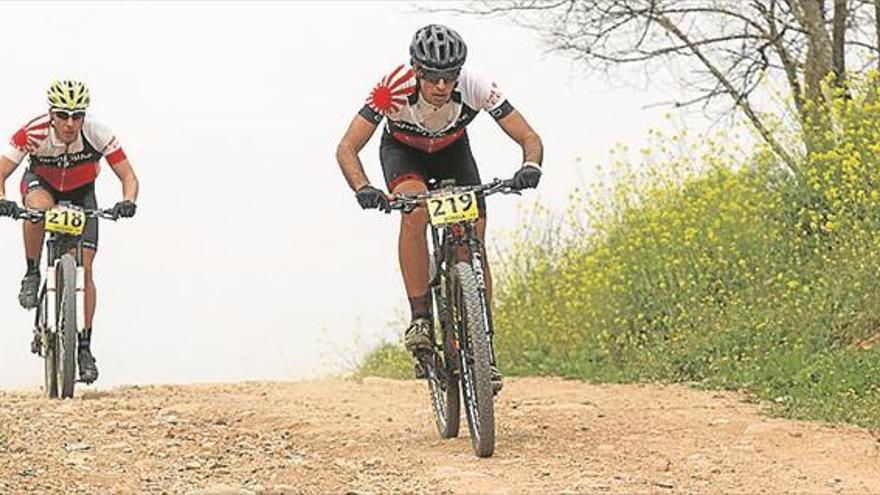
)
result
[(51, 297), (80, 291), (80, 299), (477, 265)]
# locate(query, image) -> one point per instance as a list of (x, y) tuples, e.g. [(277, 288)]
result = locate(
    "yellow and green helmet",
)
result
[(72, 96)]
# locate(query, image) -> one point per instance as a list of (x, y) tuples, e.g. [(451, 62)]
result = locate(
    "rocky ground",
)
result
[(378, 436)]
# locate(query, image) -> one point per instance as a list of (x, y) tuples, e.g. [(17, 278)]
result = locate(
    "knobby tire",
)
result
[(66, 325), (475, 359)]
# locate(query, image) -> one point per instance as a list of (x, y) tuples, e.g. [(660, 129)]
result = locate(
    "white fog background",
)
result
[(249, 258)]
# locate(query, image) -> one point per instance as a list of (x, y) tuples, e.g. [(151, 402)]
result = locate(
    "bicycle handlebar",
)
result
[(38, 215), (409, 202)]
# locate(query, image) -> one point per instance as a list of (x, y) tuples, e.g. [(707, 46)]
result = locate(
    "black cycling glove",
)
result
[(8, 208), (370, 197), (526, 177), (124, 209)]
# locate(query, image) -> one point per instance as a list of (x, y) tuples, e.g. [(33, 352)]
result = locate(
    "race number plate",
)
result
[(65, 221), (453, 208)]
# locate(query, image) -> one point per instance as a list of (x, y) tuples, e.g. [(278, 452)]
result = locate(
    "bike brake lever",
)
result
[(30, 216), (106, 215)]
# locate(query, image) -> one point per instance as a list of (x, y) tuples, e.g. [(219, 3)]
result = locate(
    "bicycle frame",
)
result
[(464, 358), (57, 245), (447, 241), (57, 323), (47, 311), (446, 244)]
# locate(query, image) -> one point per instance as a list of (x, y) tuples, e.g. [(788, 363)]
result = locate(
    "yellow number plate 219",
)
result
[(65, 221), (453, 208)]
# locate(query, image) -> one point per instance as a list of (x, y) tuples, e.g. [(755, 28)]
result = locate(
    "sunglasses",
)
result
[(435, 76), (62, 115)]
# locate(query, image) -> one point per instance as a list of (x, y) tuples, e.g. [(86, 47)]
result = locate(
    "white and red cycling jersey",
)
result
[(414, 121), (65, 167)]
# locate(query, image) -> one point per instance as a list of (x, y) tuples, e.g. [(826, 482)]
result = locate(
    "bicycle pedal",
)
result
[(37, 346), (420, 371)]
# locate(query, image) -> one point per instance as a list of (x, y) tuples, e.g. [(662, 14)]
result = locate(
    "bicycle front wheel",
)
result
[(50, 364), (442, 379), (66, 325), (48, 348), (469, 316)]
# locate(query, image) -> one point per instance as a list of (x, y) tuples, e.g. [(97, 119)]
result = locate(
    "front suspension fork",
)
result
[(476, 253)]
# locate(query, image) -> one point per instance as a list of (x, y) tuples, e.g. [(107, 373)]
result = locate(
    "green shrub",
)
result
[(389, 361), (706, 267)]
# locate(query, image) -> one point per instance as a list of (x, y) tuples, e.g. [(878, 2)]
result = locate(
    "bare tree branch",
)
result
[(738, 98), (839, 40), (718, 51), (877, 25)]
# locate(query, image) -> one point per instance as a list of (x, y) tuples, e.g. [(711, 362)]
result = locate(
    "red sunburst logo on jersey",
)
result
[(391, 92), (20, 139)]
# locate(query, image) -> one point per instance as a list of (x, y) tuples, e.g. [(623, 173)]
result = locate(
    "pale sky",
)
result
[(249, 257)]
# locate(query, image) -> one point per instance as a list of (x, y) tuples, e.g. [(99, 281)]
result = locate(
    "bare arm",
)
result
[(7, 166), (359, 132), (129, 180), (515, 125)]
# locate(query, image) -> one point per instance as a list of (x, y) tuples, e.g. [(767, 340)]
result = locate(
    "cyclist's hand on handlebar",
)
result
[(370, 197), (8, 208), (124, 209), (527, 177)]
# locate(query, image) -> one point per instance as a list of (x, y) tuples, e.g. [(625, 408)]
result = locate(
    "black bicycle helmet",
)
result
[(436, 47)]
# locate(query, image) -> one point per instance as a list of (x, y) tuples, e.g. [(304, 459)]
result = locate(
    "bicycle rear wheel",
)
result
[(469, 317), (66, 325)]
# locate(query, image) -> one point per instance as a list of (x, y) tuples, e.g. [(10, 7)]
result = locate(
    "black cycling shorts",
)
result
[(401, 162), (83, 196)]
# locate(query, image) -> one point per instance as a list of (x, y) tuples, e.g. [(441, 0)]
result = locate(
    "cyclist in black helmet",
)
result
[(427, 105)]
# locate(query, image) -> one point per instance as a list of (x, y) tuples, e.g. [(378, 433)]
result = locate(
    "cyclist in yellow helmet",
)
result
[(64, 146)]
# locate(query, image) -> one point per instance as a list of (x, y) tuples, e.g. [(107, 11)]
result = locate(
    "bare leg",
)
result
[(91, 293), (38, 199), (413, 244), (88, 369), (413, 253)]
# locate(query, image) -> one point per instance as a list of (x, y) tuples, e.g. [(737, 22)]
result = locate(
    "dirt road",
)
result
[(378, 436)]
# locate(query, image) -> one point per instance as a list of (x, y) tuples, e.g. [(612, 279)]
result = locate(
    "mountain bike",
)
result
[(461, 354), (60, 314)]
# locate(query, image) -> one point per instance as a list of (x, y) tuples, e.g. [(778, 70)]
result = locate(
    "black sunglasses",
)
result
[(435, 76), (66, 115)]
